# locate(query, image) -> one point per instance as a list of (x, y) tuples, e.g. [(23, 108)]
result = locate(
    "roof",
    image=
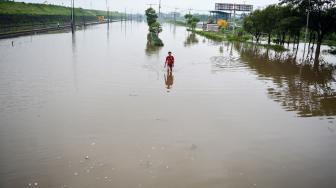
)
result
[(219, 11)]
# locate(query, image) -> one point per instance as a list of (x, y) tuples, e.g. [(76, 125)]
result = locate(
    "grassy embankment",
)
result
[(19, 15), (330, 42), (218, 36)]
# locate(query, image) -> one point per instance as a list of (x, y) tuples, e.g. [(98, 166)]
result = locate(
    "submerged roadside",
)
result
[(19, 18), (32, 31)]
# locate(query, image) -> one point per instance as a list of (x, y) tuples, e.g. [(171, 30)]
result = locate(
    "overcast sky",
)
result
[(135, 6)]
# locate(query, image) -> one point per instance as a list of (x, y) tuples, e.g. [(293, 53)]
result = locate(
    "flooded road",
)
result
[(98, 109)]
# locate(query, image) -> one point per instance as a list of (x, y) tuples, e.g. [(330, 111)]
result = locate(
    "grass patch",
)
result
[(329, 42), (216, 36), (180, 23), (233, 37), (211, 35)]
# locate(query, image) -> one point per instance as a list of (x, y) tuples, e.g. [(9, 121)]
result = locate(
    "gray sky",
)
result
[(135, 6)]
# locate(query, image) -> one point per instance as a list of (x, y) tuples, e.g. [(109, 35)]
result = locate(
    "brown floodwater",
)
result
[(98, 109)]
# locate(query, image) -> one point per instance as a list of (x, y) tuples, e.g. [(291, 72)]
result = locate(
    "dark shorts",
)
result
[(170, 66)]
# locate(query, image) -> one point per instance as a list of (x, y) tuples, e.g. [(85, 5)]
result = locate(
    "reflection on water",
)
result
[(191, 39), (228, 60), (108, 33), (226, 63), (297, 87), (150, 48), (169, 79), (74, 60)]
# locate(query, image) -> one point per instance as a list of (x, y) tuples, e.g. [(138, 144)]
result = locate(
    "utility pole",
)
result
[(108, 13), (73, 23), (307, 24), (125, 15), (131, 16), (234, 17), (159, 8), (175, 15)]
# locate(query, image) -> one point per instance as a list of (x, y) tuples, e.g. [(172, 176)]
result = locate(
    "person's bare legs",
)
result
[(170, 69)]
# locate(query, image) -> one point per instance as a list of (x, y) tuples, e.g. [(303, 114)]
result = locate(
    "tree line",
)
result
[(287, 21)]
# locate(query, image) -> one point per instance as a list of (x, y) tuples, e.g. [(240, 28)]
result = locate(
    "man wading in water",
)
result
[(170, 62)]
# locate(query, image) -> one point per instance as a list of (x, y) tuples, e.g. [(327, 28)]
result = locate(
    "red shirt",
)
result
[(170, 60)]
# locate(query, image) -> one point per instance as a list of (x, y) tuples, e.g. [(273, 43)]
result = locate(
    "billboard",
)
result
[(233, 7)]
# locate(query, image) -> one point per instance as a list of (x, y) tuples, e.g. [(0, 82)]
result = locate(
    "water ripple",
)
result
[(227, 63)]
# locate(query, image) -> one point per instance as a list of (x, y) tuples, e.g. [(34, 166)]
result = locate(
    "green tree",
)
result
[(252, 24), (191, 21), (322, 18), (151, 16), (289, 23), (188, 18), (268, 20), (194, 22), (154, 28)]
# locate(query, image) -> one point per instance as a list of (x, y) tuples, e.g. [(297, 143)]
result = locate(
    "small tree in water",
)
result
[(154, 27), (191, 21)]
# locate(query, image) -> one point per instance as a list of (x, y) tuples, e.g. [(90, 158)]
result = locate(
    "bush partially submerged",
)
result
[(154, 40)]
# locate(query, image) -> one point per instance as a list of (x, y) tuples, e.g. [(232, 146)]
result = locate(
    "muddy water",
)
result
[(97, 109)]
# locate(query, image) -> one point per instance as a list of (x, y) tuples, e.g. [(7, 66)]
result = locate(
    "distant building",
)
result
[(212, 27), (218, 14)]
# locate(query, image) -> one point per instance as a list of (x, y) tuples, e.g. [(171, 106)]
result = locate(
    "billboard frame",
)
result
[(233, 7)]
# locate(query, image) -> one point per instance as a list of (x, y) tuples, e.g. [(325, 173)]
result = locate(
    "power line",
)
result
[(187, 9), (151, 4)]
